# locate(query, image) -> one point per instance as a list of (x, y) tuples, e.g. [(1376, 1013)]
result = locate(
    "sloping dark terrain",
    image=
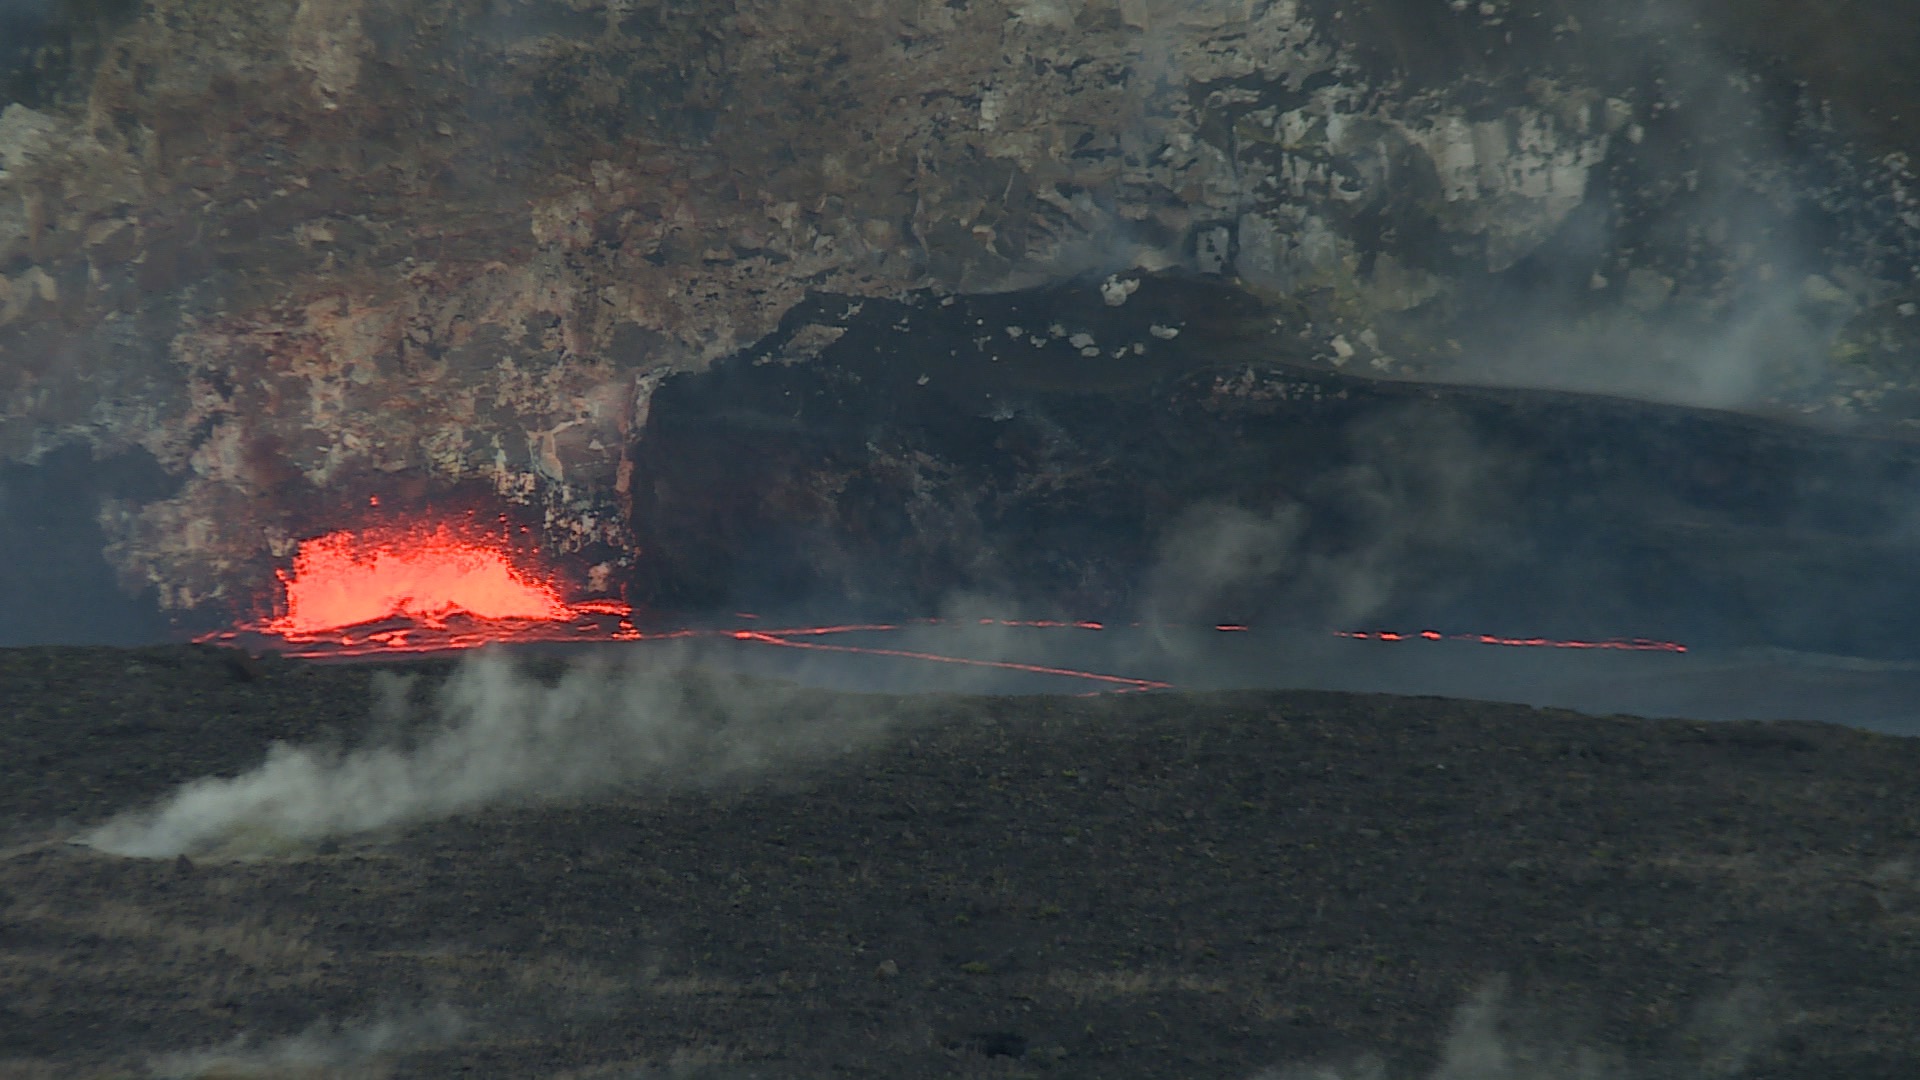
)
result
[(1152, 885)]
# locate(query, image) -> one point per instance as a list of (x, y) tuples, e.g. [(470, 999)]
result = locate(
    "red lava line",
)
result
[(1616, 644), (817, 631), (1128, 684), (1045, 624), (617, 608)]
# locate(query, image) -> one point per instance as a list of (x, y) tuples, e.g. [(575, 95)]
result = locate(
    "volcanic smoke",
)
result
[(502, 734)]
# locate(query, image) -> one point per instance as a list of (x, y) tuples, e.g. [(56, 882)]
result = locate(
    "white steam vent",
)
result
[(502, 736)]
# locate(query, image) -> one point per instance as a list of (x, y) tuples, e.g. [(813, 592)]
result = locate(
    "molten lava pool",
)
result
[(346, 578)]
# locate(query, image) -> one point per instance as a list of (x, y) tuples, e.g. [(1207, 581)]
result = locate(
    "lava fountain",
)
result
[(345, 578), (420, 588)]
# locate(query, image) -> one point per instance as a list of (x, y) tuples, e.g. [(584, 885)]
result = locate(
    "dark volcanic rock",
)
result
[(1151, 885), (967, 447), (307, 253)]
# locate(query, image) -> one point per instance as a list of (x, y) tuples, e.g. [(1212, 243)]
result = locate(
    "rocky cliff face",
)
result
[(303, 254)]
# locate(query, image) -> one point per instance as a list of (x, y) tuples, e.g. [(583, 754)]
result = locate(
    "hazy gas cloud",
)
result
[(502, 735), (24, 11), (1688, 274), (1766, 344), (323, 1050), (1215, 554), (1416, 483), (1494, 1038)]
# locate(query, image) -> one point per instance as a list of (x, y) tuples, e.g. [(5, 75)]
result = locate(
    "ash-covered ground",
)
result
[(604, 868)]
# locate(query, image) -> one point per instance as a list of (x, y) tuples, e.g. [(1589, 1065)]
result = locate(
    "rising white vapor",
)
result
[(501, 735)]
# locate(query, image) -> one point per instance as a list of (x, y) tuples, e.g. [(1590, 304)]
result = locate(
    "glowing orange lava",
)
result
[(409, 589), (346, 578), (416, 589)]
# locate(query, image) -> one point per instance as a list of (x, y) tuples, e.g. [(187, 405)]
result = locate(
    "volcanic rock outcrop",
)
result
[(304, 253)]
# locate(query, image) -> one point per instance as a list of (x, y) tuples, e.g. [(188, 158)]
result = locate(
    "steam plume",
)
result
[(1493, 1039), (1416, 482), (321, 1050), (502, 736)]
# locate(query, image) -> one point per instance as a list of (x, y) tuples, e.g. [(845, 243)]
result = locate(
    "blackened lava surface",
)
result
[(1149, 886), (936, 448)]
